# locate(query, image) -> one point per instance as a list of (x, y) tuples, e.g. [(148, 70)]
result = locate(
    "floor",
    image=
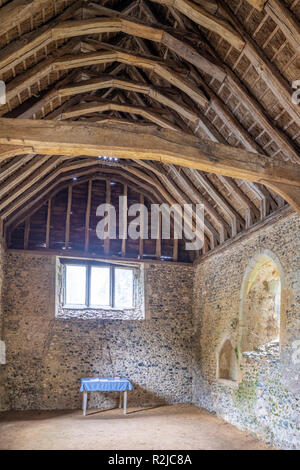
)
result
[(162, 428)]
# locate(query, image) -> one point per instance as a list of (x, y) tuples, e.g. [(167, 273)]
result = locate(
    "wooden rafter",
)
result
[(252, 212), (48, 223), (237, 88), (258, 112), (131, 174), (283, 17), (196, 197), (226, 208), (267, 71), (18, 11), (289, 192), (57, 180), (181, 198), (68, 216), (13, 165), (90, 179), (7, 151), (35, 170), (30, 43), (207, 20)]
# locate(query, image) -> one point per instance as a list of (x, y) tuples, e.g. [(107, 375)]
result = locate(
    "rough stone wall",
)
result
[(47, 356), (266, 398), (3, 395), (172, 355)]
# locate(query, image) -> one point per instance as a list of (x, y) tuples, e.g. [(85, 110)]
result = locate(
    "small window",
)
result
[(123, 287), (98, 286), (75, 285)]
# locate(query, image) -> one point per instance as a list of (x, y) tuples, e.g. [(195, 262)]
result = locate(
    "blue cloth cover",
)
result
[(105, 384)]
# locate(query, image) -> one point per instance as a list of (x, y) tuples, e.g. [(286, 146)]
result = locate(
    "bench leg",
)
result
[(125, 402), (84, 402), (120, 402)]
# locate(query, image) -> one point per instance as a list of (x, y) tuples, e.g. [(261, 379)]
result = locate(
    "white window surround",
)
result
[(110, 312)]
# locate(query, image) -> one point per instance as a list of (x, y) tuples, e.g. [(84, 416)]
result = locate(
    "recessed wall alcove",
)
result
[(227, 363), (262, 304)]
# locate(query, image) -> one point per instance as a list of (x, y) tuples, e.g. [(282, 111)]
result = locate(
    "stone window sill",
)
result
[(228, 382), (97, 309)]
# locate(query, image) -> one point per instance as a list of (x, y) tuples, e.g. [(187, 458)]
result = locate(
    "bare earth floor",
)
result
[(163, 428)]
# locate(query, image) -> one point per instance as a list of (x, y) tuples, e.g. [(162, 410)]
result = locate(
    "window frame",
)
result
[(88, 266)]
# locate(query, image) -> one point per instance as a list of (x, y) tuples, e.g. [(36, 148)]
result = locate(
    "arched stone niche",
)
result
[(262, 303), (227, 362)]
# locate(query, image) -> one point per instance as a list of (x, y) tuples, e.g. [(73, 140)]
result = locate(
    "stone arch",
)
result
[(262, 303)]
